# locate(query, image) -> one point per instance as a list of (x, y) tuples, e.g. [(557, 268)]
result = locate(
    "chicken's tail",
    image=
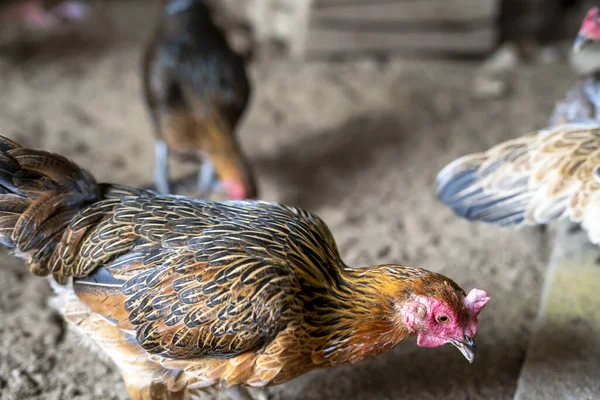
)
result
[(494, 186), (40, 194)]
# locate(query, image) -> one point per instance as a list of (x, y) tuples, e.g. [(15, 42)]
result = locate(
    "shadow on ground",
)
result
[(416, 373), (323, 168)]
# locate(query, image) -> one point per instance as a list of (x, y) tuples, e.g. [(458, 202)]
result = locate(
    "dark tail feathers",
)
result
[(460, 187), (40, 193)]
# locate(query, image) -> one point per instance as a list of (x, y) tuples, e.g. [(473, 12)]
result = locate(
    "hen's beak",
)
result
[(580, 42), (466, 347)]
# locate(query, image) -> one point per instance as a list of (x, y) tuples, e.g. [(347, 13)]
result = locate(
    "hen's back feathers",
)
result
[(530, 180), (204, 278)]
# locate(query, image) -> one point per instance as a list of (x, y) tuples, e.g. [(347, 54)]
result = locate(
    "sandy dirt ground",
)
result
[(358, 143)]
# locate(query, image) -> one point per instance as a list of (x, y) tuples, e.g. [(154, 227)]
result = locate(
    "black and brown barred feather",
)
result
[(219, 276)]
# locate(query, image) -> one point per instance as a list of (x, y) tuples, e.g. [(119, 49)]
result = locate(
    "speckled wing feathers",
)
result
[(530, 180), (196, 266)]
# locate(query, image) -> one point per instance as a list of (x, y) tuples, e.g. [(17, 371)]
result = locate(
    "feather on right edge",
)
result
[(537, 178)]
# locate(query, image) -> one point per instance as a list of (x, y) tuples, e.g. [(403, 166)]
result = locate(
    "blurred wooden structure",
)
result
[(321, 28), (421, 27)]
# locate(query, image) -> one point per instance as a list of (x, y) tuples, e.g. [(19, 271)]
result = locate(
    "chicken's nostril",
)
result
[(468, 340)]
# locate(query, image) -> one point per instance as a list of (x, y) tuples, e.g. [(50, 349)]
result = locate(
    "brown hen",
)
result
[(196, 89), (184, 294)]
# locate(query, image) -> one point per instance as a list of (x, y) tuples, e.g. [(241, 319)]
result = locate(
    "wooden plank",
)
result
[(421, 10), (321, 42), (563, 359), (402, 26), (339, 3), (319, 27)]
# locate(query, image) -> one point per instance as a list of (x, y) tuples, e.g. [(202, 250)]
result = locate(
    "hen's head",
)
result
[(590, 29), (440, 313)]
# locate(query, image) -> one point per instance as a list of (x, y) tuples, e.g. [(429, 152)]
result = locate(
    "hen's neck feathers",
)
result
[(362, 317), (586, 61)]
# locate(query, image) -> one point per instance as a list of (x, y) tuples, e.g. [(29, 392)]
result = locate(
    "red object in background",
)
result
[(33, 13)]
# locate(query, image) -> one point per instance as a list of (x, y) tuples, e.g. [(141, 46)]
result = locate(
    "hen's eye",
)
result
[(443, 318)]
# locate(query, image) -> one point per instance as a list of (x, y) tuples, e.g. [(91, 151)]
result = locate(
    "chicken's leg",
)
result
[(161, 167), (207, 181)]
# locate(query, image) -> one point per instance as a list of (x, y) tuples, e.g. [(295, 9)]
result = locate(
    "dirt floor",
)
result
[(358, 143)]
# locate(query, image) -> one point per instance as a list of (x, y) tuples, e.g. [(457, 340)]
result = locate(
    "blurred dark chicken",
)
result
[(34, 13), (197, 89), (582, 102), (184, 294)]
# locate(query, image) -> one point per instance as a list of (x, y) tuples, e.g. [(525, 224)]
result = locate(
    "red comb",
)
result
[(590, 27), (476, 300)]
